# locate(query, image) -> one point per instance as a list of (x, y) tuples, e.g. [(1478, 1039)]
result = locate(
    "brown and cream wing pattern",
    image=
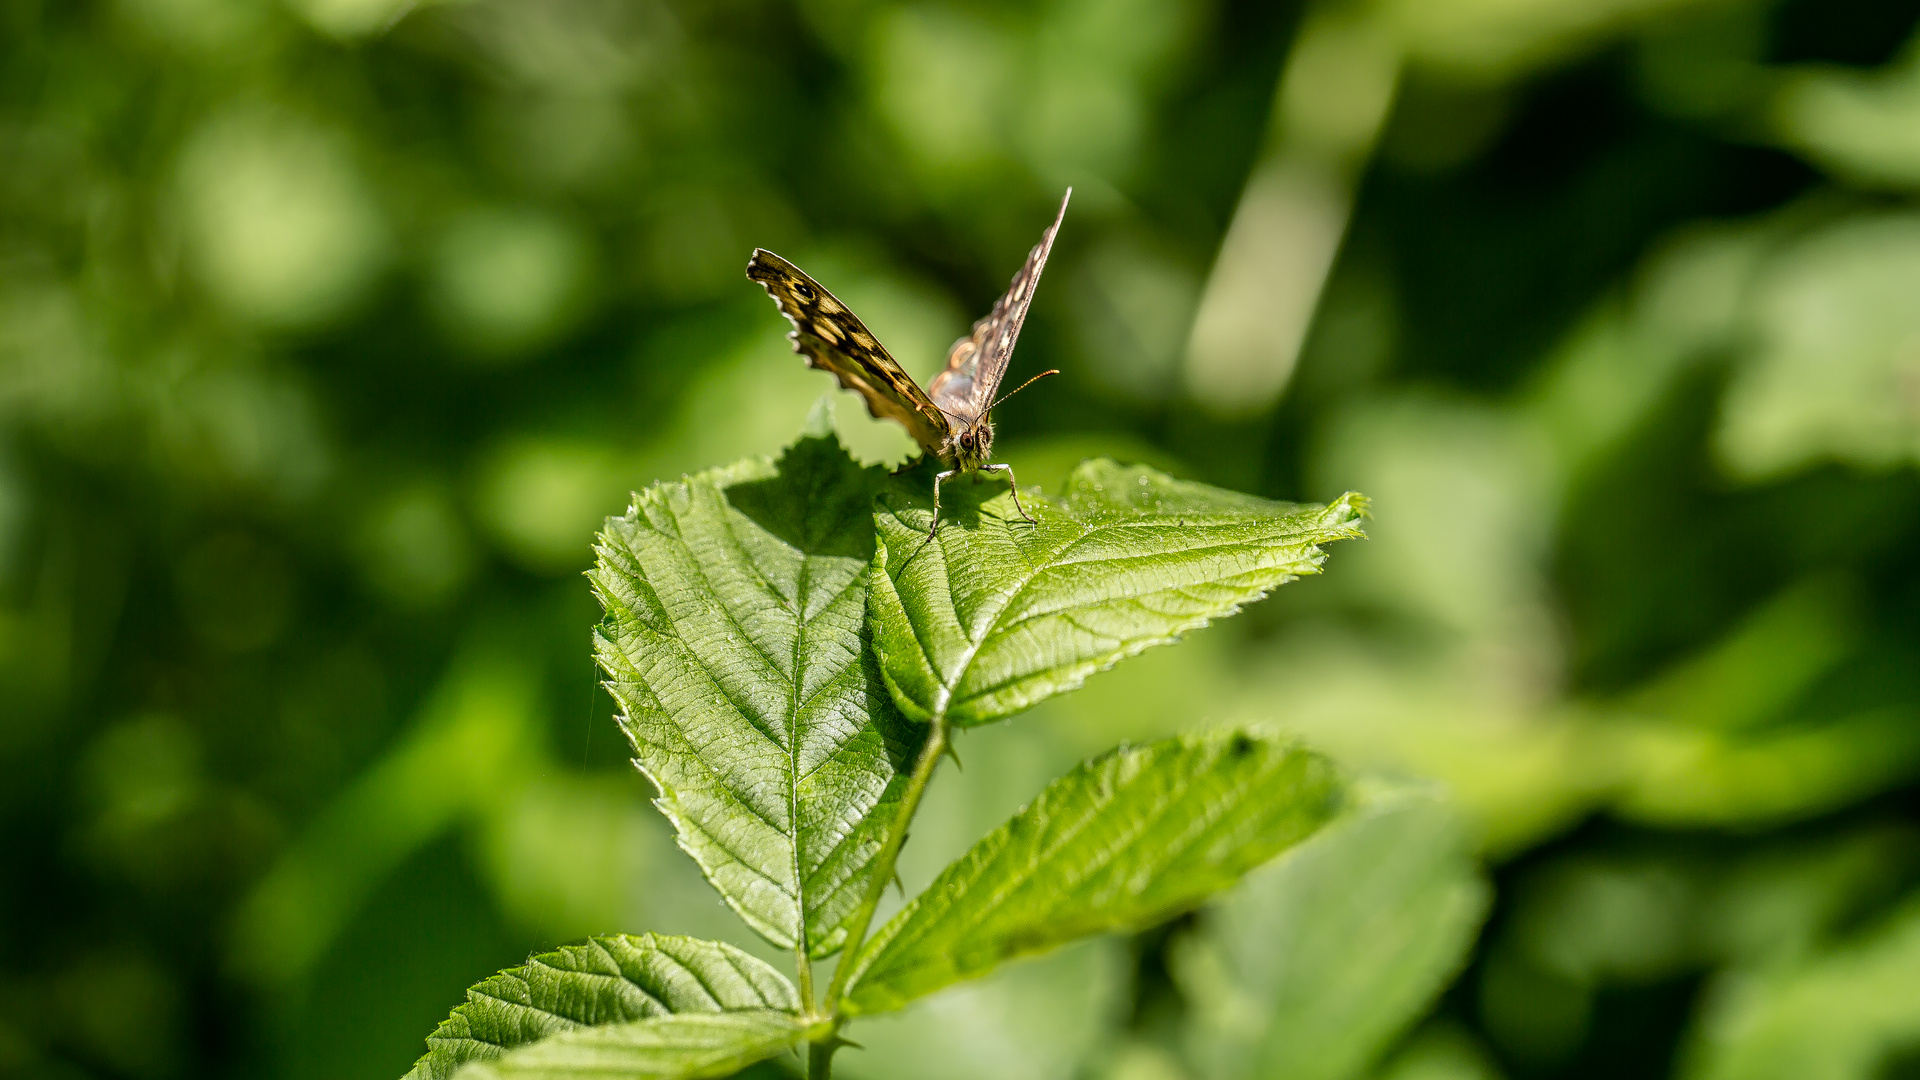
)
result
[(833, 339), (975, 365)]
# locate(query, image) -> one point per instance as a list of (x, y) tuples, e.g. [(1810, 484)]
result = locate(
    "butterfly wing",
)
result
[(977, 363), (834, 339)]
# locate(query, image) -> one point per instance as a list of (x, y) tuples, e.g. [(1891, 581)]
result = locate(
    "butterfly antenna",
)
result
[(1021, 387)]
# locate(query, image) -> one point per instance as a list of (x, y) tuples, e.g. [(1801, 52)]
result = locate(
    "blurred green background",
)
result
[(330, 329)]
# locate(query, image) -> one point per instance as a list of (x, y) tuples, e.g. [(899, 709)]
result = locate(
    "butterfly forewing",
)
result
[(833, 339), (977, 363)]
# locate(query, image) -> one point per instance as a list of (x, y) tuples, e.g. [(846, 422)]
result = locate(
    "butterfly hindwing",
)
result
[(833, 339), (975, 365)]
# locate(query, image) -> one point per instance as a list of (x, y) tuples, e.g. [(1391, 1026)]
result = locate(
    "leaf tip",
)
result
[(1356, 507)]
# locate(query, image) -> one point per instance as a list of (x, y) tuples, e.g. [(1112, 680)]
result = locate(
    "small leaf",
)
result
[(608, 980), (1125, 840), (663, 1048), (995, 614), (734, 645), (1314, 965)]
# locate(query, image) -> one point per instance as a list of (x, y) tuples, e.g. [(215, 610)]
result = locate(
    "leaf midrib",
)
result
[(1058, 559), (802, 625), (1124, 647), (944, 696), (804, 946), (796, 609), (618, 975)]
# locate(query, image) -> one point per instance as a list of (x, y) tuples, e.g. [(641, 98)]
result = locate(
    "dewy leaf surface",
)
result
[(733, 643), (995, 614), (608, 980), (664, 1048), (1123, 841), (1315, 964)]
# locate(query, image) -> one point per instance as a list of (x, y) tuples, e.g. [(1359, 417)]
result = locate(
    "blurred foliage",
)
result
[(330, 330)]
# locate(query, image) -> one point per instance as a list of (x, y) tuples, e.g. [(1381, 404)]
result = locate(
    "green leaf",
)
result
[(608, 980), (1314, 965), (995, 614), (663, 1048), (734, 644), (1125, 840), (1846, 1012)]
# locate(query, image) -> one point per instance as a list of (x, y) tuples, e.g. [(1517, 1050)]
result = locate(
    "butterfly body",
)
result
[(950, 418)]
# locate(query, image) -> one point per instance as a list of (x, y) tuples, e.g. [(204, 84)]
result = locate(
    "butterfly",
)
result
[(950, 419)]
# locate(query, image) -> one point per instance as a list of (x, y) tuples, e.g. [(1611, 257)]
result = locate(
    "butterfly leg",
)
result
[(1012, 487), (948, 475)]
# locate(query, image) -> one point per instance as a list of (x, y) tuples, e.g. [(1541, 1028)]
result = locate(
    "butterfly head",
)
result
[(971, 447)]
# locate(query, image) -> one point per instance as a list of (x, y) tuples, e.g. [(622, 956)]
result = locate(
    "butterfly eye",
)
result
[(802, 292)]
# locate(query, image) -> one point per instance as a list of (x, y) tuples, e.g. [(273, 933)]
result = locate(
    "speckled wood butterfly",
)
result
[(951, 420)]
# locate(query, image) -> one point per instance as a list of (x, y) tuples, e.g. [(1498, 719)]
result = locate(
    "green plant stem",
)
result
[(883, 863), (820, 1059), (820, 1050)]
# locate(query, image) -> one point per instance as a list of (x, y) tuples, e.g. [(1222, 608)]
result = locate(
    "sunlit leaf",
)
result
[(608, 980), (663, 1048), (1842, 1014), (995, 614), (1856, 124), (1315, 964), (1123, 841), (1826, 371), (733, 642)]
